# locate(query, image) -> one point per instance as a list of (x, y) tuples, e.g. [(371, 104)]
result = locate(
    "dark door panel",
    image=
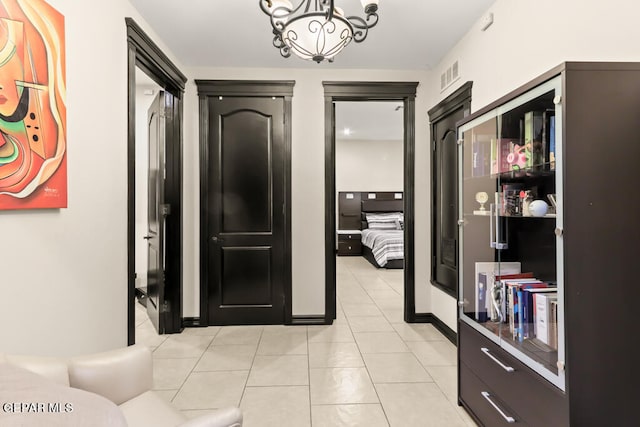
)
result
[(444, 184), (246, 277), (246, 159), (446, 215), (157, 128), (245, 216)]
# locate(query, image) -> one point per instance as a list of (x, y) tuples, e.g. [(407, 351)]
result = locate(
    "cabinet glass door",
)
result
[(511, 286)]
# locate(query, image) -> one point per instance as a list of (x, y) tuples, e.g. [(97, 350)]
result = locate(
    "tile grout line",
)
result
[(194, 366), (368, 373), (309, 377), (253, 360)]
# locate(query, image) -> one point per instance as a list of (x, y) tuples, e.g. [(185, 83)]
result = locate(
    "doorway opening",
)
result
[(146, 59), (370, 208), (404, 94)]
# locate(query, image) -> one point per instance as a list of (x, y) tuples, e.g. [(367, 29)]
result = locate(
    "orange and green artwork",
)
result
[(33, 143)]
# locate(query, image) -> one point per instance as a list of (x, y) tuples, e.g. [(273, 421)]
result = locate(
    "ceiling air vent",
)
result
[(449, 76)]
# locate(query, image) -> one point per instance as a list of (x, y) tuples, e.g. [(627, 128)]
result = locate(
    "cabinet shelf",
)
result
[(536, 171), (487, 214)]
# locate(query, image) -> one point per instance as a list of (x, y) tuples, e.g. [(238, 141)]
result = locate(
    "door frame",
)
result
[(143, 53), (459, 99), (370, 91), (243, 88)]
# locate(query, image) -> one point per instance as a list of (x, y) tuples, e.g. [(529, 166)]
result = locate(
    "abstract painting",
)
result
[(33, 143)]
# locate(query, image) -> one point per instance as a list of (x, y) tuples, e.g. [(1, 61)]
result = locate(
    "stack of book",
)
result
[(528, 305), (528, 311)]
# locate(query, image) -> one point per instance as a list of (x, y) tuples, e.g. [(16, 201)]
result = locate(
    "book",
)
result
[(547, 117), (481, 310), (507, 298), (481, 288), (490, 269), (514, 301), (519, 328), (496, 294), (534, 136), (553, 324), (529, 311), (543, 316)]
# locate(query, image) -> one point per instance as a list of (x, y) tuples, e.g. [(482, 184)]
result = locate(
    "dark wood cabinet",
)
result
[(579, 368), (349, 243)]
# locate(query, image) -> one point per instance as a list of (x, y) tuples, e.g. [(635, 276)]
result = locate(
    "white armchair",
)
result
[(125, 377)]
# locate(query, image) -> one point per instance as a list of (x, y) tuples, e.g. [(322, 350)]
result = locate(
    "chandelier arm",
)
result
[(360, 28), (265, 8), (330, 11), (306, 9), (285, 51), (360, 23)]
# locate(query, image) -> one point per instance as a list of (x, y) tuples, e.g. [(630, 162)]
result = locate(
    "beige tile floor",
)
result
[(367, 369)]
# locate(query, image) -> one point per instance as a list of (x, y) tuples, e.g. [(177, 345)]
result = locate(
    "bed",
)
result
[(383, 232)]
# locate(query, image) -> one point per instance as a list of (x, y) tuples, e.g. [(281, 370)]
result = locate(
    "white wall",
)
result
[(63, 286), (526, 39), (370, 165), (307, 179)]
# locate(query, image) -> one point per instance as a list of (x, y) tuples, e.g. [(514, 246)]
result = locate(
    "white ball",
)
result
[(538, 208)]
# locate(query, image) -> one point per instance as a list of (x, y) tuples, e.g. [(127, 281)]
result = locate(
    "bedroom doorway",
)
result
[(395, 205)]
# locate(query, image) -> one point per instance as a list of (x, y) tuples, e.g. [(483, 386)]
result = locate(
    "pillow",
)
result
[(385, 221)]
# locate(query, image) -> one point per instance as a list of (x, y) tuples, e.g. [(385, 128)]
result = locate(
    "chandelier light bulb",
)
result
[(369, 6)]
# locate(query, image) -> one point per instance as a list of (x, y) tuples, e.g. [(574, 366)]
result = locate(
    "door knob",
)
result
[(217, 239), (147, 237)]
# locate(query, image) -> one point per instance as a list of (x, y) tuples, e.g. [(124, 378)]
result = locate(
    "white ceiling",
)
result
[(369, 120), (411, 34)]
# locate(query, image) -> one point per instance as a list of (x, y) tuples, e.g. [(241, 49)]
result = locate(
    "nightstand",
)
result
[(349, 242)]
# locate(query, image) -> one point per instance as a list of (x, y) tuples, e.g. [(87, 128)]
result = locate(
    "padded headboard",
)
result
[(353, 204)]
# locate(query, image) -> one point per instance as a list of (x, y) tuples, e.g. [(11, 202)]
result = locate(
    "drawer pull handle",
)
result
[(492, 357), (507, 418)]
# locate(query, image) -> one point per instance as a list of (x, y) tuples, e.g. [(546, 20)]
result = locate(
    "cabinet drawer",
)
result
[(534, 398), (350, 248), (480, 399), (349, 237)]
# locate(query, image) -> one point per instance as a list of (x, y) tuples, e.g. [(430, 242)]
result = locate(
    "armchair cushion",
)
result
[(149, 409), (227, 417), (52, 368), (119, 375), (29, 399)]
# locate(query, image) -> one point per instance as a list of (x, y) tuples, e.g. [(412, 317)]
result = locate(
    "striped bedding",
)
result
[(386, 245)]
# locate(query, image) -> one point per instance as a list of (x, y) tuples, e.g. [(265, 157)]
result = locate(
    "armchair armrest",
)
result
[(227, 417), (119, 375)]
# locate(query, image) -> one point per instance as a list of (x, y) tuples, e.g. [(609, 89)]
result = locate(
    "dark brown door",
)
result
[(245, 212), (444, 185), (157, 127), (445, 267)]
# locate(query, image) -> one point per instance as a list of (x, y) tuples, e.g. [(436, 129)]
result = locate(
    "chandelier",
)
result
[(316, 29)]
